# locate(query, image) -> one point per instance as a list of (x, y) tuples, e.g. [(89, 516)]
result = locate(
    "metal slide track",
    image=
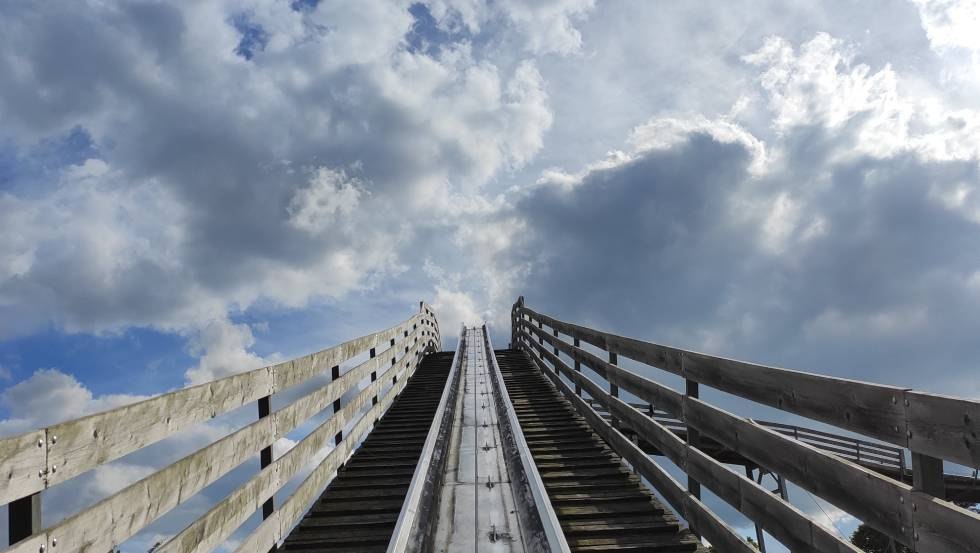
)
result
[(358, 510), (600, 504)]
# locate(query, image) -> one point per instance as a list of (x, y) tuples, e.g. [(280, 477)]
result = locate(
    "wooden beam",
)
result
[(784, 521), (938, 426), (74, 447), (23, 518)]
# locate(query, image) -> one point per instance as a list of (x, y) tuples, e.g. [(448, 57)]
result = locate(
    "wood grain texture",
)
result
[(23, 460), (786, 523), (79, 445), (275, 528), (939, 426), (214, 527), (120, 516), (701, 519)]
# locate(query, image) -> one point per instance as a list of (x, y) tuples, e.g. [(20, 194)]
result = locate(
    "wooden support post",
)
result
[(23, 518), (265, 456), (540, 337), (578, 368), (614, 389), (693, 437), (374, 377), (334, 375), (927, 475)]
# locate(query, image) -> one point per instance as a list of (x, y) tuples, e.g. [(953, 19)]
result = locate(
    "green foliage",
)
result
[(873, 541)]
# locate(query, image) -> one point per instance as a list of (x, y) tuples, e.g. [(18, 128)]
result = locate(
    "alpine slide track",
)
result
[(530, 448)]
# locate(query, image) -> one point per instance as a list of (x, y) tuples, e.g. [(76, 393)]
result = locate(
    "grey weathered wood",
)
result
[(702, 519), (927, 475), (212, 529), (944, 427), (22, 465), (938, 426), (274, 529), (76, 446), (118, 517), (23, 518), (786, 523), (881, 502)]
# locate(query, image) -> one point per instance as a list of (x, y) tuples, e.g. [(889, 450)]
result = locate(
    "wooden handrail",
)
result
[(906, 513), (940, 426), (123, 430)]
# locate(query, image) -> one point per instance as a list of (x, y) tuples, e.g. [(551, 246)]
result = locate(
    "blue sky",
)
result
[(188, 190)]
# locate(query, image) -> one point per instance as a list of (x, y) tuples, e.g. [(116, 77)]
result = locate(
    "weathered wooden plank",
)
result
[(664, 397), (877, 500), (32, 544), (85, 443), (271, 531), (870, 409), (786, 523), (22, 465), (118, 517), (214, 527), (940, 426), (702, 519), (662, 357), (940, 526), (944, 427), (79, 445), (290, 373)]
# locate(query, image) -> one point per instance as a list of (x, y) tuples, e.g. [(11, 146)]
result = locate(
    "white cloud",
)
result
[(873, 113), (50, 396), (223, 349), (543, 26), (329, 195)]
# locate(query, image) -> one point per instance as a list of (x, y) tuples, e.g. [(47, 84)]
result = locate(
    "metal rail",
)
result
[(528, 486), (414, 525)]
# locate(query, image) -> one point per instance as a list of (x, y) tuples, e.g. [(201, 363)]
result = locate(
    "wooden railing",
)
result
[(36, 461), (934, 428), (888, 458)]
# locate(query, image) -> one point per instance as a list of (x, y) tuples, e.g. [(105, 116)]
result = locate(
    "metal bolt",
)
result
[(40, 442), (901, 500), (40, 473), (54, 468), (54, 439), (54, 542), (41, 549)]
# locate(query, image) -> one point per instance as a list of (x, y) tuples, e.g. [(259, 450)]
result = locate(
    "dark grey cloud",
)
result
[(668, 247)]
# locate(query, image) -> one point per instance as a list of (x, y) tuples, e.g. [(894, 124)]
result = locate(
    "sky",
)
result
[(193, 189)]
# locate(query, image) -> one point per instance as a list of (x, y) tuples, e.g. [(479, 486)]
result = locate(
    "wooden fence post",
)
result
[(613, 389), (374, 377), (927, 475), (334, 375), (691, 389), (265, 456), (578, 368), (23, 518)]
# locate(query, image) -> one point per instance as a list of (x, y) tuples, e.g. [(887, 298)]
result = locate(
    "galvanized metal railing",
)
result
[(37, 460), (934, 428)]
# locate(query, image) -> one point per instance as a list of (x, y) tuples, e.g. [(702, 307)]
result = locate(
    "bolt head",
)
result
[(54, 439), (41, 549), (40, 442), (54, 542), (54, 468), (40, 473)]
